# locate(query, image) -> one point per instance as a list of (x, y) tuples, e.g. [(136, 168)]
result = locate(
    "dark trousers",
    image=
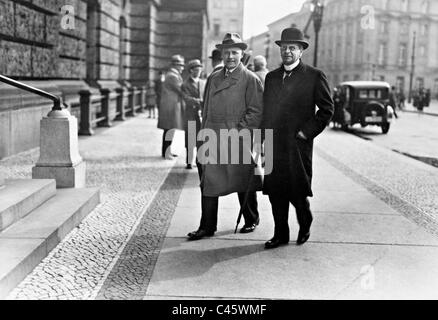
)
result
[(166, 144), (280, 211), (209, 208), (190, 154)]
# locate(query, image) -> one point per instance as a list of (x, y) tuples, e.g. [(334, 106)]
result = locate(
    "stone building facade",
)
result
[(370, 40), (64, 46), (225, 16)]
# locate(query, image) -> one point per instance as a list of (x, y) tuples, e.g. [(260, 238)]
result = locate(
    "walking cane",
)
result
[(245, 201)]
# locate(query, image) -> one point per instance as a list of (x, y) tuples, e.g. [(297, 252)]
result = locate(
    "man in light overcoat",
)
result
[(171, 107), (233, 100)]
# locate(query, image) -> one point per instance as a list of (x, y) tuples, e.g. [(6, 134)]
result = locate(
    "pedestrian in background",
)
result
[(260, 67), (194, 88), (151, 99), (291, 94), (171, 113), (158, 86), (216, 60), (233, 100), (393, 100)]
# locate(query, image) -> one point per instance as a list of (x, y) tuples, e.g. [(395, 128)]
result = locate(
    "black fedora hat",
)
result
[(216, 55), (232, 40), (290, 35)]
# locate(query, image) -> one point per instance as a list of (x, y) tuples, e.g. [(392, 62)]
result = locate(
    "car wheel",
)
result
[(385, 127)]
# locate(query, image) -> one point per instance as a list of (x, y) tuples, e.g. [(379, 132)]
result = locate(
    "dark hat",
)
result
[(293, 35), (194, 63), (232, 40), (177, 60), (216, 55)]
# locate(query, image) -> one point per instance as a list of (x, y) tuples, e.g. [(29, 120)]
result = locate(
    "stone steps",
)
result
[(19, 197), (25, 243)]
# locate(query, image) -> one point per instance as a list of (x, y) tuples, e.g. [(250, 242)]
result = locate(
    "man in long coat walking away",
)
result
[(233, 101), (291, 94), (171, 112)]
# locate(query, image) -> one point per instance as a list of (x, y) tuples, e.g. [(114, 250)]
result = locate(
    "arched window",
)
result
[(425, 6), (404, 5), (93, 22), (122, 48)]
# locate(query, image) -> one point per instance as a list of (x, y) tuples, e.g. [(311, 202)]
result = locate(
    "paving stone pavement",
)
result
[(406, 184), (124, 161)]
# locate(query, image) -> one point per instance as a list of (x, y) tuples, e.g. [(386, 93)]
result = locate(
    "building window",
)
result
[(384, 27), (402, 56), (400, 84), (424, 29), (382, 78), (233, 4), (404, 28), (356, 77), (217, 28), (404, 5), (422, 51), (425, 6), (420, 83), (382, 54), (233, 26), (345, 77)]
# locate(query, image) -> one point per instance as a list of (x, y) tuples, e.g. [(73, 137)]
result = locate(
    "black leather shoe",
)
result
[(189, 167), (303, 237), (274, 243), (199, 234), (174, 155), (248, 228)]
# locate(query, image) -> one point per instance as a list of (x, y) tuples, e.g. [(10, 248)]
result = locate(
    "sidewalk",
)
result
[(432, 110), (360, 248), (366, 239)]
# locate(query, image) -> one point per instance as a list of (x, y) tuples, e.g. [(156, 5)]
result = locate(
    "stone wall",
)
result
[(65, 46)]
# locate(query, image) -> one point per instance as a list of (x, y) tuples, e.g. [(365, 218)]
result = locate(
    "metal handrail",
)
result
[(57, 101)]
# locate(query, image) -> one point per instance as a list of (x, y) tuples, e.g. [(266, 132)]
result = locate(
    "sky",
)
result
[(259, 13)]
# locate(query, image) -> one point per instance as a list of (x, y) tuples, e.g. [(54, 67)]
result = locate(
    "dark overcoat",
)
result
[(233, 102), (290, 106), (171, 111)]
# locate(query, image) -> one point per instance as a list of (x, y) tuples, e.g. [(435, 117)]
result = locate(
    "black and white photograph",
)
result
[(199, 151)]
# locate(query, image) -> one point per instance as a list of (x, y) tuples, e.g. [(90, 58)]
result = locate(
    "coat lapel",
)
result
[(223, 83)]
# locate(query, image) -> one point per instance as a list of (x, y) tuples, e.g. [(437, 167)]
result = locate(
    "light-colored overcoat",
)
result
[(171, 112), (233, 102)]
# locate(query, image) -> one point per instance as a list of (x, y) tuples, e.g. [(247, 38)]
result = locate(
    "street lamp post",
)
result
[(317, 8), (317, 21), (411, 78)]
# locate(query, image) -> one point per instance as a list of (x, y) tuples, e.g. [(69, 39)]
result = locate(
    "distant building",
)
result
[(354, 47), (67, 46), (369, 40), (224, 16)]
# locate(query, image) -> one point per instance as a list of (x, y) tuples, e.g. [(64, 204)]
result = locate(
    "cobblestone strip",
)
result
[(130, 277), (421, 217), (128, 175)]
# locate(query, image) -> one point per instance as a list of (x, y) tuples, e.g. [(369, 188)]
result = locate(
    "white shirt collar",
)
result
[(292, 66), (231, 70)]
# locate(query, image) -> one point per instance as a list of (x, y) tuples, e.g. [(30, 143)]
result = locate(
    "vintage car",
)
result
[(364, 102)]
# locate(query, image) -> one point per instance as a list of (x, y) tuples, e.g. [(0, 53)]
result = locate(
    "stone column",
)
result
[(85, 127), (105, 108), (59, 152), (120, 104)]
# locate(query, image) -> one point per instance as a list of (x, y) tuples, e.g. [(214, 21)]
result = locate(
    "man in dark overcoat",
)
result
[(194, 88), (233, 101), (291, 95)]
